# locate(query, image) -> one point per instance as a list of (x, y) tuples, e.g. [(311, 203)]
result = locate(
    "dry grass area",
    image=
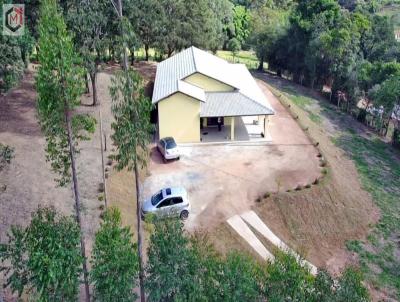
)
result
[(121, 193)]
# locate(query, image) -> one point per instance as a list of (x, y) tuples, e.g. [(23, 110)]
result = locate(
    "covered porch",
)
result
[(235, 128)]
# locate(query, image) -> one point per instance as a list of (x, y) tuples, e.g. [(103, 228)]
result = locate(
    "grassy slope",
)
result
[(380, 175), (378, 166)]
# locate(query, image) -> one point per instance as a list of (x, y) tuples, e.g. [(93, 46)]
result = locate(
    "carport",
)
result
[(232, 116)]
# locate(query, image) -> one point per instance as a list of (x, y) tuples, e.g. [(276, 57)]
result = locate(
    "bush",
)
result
[(115, 265), (11, 64), (6, 154), (44, 258)]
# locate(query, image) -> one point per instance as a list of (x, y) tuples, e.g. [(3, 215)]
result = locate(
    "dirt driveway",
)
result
[(224, 180)]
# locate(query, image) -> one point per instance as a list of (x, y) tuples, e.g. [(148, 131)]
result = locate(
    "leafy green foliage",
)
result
[(234, 46), (169, 274), (268, 28), (44, 257), (88, 20), (11, 64), (59, 86), (350, 287), (239, 277), (287, 278), (132, 127), (187, 268), (241, 22), (6, 154), (323, 43), (114, 260), (199, 273), (173, 25)]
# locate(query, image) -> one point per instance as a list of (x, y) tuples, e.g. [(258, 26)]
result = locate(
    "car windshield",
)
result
[(155, 199), (170, 143)]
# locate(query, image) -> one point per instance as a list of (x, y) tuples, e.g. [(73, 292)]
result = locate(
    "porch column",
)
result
[(232, 128), (266, 120)]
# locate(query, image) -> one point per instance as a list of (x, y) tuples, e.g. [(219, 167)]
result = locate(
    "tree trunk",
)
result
[(139, 221), (86, 84), (170, 51), (103, 142), (77, 200), (146, 50), (261, 64), (132, 56), (139, 230), (125, 55), (94, 89)]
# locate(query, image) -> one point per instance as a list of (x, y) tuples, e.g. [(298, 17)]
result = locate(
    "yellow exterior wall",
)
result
[(179, 117), (206, 83)]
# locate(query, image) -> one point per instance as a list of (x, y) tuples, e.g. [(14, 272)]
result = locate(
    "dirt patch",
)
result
[(29, 180)]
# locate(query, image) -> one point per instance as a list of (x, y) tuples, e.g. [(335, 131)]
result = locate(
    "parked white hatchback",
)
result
[(168, 148), (168, 202)]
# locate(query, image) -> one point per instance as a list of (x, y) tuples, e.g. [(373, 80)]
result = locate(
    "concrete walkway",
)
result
[(243, 230), (239, 225)]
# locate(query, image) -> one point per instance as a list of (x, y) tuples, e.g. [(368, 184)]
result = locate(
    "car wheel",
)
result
[(184, 215), (178, 158)]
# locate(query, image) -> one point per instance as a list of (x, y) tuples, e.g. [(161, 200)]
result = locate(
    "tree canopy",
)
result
[(44, 257)]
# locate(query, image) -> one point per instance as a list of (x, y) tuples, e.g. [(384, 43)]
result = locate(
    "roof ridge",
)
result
[(194, 60)]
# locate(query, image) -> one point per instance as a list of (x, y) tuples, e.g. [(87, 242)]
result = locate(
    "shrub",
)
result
[(11, 64), (6, 154), (115, 265), (44, 257), (299, 188)]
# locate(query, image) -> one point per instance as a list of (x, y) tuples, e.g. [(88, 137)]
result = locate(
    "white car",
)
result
[(168, 148), (168, 202)]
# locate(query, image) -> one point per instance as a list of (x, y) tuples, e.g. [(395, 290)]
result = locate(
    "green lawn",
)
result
[(303, 101), (379, 170), (243, 57)]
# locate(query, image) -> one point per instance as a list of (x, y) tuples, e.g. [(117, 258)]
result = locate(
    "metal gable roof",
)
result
[(172, 72), (231, 104)]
